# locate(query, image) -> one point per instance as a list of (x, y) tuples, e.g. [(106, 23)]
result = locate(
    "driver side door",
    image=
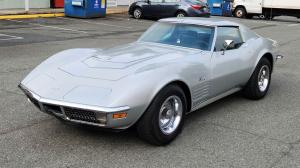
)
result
[(152, 9), (170, 7), (230, 67)]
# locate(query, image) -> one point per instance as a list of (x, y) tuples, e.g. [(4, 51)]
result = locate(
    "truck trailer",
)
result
[(265, 8)]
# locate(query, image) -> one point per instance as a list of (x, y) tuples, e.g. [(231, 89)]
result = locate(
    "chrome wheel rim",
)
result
[(180, 15), (170, 114), (263, 78), (262, 16), (137, 13), (239, 13)]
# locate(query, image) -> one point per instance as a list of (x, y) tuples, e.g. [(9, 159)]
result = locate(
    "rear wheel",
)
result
[(261, 16), (137, 13), (163, 120), (259, 83), (181, 14), (240, 12)]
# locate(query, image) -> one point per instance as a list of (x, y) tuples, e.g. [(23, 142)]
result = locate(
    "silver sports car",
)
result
[(176, 67)]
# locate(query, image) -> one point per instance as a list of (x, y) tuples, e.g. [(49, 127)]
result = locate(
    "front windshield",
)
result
[(178, 34)]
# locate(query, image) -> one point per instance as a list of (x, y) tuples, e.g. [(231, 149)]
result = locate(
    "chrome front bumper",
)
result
[(76, 113)]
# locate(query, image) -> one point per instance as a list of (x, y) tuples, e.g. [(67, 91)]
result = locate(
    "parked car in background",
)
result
[(266, 8), (178, 66), (168, 8)]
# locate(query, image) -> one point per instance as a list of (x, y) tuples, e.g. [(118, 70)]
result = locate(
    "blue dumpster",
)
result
[(227, 8), (85, 8), (215, 7)]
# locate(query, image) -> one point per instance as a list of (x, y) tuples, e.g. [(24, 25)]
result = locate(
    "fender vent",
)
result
[(52, 108)]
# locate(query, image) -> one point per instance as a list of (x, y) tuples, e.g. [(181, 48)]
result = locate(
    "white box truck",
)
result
[(265, 8)]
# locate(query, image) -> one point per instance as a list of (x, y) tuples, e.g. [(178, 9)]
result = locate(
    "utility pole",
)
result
[(26, 5)]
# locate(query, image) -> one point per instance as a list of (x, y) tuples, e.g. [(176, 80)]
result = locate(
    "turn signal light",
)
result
[(196, 7), (119, 115)]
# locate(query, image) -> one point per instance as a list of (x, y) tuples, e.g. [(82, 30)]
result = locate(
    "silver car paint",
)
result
[(131, 75)]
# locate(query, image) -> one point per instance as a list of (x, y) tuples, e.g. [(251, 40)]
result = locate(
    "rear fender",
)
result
[(261, 54)]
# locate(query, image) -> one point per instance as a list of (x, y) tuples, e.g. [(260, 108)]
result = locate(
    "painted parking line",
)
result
[(5, 37), (51, 27), (263, 26), (128, 18), (117, 18), (97, 23), (263, 22), (293, 25)]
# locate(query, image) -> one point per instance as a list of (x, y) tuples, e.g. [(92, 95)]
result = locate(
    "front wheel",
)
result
[(137, 13), (240, 12), (163, 120), (259, 83)]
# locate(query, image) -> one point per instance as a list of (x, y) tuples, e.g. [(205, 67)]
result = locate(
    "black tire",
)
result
[(240, 12), (181, 14), (135, 13), (262, 16), (252, 89), (148, 126)]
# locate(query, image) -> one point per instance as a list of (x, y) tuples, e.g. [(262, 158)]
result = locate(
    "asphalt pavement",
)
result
[(231, 133)]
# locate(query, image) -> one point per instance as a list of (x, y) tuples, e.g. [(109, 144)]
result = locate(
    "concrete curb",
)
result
[(30, 16)]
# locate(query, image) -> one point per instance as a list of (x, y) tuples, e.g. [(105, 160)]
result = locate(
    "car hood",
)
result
[(89, 76), (116, 63)]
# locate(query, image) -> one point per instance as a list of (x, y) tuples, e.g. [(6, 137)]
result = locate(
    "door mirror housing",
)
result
[(228, 45)]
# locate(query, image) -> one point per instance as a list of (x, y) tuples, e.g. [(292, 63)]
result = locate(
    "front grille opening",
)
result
[(82, 115), (52, 108)]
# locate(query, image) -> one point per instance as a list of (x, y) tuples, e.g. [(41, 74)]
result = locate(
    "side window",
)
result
[(171, 1), (228, 33), (156, 1)]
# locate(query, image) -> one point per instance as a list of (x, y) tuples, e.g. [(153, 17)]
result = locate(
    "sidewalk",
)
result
[(35, 13)]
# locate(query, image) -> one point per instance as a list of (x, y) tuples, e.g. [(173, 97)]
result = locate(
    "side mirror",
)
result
[(148, 2), (228, 44)]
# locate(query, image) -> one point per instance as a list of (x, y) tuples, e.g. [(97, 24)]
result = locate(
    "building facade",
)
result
[(19, 4)]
